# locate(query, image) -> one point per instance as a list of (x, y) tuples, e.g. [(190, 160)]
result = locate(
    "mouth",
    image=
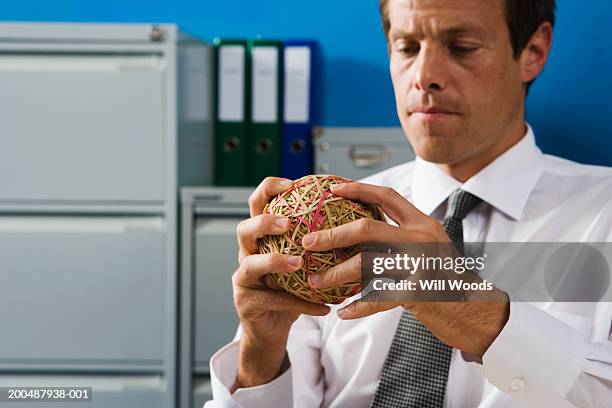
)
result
[(431, 113)]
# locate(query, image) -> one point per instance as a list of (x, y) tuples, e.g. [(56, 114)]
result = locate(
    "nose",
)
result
[(429, 70)]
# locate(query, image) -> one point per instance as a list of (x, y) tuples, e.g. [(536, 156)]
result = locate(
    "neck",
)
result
[(465, 169)]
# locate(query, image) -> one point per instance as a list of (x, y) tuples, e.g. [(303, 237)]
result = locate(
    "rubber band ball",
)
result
[(310, 206)]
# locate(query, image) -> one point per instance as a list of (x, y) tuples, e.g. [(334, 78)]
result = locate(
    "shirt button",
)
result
[(517, 384)]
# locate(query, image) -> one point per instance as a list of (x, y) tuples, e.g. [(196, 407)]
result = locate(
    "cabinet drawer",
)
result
[(82, 127), (216, 259), (356, 153), (82, 290), (127, 391)]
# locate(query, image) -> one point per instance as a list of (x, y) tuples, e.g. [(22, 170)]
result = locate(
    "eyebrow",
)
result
[(449, 32), (463, 29)]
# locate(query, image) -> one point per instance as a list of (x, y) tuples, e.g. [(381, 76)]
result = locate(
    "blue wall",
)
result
[(568, 106)]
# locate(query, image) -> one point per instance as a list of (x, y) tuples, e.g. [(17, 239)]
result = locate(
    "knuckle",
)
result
[(277, 260), (253, 198), (331, 276), (240, 228), (372, 306), (239, 299), (267, 184), (261, 222), (268, 181), (391, 191), (243, 270), (236, 278), (430, 238), (364, 226), (425, 237), (388, 190), (356, 261), (327, 236)]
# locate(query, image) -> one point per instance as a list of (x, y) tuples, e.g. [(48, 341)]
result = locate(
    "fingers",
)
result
[(265, 191), (253, 301), (393, 204), (254, 267), (257, 226), (359, 231), (345, 272), (253, 228), (365, 307)]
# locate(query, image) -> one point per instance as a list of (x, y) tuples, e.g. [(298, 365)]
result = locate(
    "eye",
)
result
[(407, 48), (462, 49)]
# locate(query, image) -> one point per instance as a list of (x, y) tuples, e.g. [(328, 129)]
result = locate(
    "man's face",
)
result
[(458, 88)]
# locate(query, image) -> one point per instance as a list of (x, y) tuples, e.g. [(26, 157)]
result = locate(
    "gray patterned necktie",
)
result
[(416, 369)]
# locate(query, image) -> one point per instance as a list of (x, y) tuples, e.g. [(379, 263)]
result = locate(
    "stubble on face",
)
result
[(457, 86)]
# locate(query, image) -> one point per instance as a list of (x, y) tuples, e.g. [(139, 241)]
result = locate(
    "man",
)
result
[(460, 71)]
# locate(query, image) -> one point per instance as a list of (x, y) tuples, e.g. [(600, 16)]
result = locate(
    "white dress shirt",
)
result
[(547, 355)]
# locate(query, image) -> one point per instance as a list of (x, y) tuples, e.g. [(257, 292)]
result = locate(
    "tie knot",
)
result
[(460, 203)]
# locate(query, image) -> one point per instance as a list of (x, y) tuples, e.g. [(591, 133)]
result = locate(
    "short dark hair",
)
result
[(523, 18)]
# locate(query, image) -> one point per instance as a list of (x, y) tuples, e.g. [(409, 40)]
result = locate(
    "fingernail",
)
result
[(325, 309), (336, 187), (308, 239), (281, 222), (295, 260), (341, 313), (285, 182), (314, 280)]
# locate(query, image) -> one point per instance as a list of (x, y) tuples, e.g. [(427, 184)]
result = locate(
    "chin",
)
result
[(441, 143), (430, 147), (440, 149), (437, 156)]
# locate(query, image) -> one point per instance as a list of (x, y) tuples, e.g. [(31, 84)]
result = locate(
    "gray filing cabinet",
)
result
[(82, 289), (356, 153), (209, 257), (117, 390), (99, 126)]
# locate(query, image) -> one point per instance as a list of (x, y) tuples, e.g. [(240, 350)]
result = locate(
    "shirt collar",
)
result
[(506, 183)]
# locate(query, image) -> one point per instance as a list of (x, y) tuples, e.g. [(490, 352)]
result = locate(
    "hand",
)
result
[(266, 313), (468, 326)]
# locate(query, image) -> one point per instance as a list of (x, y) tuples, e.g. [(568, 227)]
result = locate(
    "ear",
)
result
[(535, 54)]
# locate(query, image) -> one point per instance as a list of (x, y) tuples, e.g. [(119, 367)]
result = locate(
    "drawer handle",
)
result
[(368, 158)]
